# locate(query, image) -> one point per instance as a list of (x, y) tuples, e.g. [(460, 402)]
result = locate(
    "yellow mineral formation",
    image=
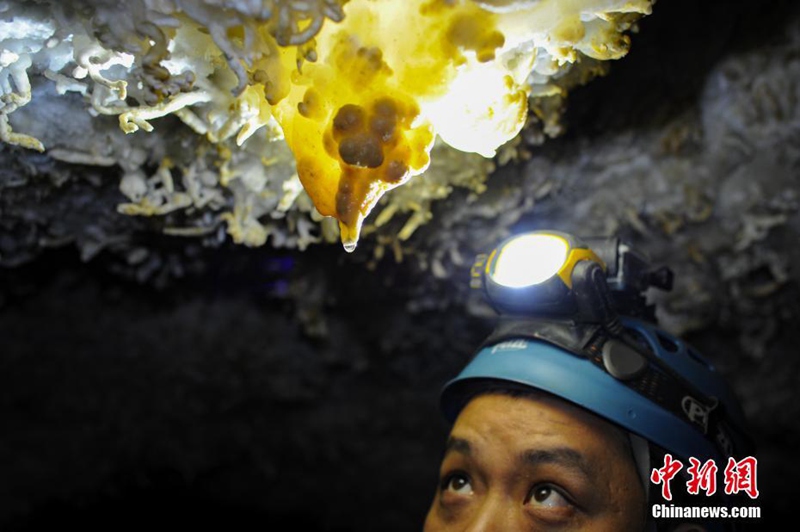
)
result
[(362, 118), (359, 90)]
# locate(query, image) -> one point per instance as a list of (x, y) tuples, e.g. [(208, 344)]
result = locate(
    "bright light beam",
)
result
[(529, 260)]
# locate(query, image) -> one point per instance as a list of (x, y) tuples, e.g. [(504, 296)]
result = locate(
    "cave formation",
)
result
[(158, 370)]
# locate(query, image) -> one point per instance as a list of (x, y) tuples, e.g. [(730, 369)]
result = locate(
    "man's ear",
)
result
[(688, 527)]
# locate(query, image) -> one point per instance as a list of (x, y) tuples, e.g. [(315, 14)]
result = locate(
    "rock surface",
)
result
[(151, 379)]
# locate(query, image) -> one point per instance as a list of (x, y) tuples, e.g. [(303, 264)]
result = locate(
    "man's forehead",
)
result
[(536, 417)]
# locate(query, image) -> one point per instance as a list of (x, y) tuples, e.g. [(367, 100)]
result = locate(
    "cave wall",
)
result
[(236, 386)]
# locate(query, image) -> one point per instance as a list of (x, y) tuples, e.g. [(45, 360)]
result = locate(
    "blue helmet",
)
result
[(652, 404)]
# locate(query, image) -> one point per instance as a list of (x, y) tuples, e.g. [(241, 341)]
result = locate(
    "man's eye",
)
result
[(547, 496), (458, 484)]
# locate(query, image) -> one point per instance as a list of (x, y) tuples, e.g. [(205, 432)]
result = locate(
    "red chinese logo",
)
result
[(664, 475), (741, 476), (703, 477)]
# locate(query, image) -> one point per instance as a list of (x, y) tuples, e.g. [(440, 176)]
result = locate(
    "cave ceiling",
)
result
[(687, 146)]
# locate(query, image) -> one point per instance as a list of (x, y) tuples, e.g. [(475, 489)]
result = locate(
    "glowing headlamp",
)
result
[(533, 273)]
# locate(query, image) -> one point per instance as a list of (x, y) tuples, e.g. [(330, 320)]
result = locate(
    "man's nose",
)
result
[(495, 514)]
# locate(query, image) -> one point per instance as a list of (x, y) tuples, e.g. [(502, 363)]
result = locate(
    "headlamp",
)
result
[(532, 273), (528, 260), (558, 275)]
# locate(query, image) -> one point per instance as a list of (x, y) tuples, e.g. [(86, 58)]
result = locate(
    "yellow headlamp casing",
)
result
[(531, 273)]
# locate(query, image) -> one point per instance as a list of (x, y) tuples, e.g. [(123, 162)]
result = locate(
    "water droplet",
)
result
[(349, 246)]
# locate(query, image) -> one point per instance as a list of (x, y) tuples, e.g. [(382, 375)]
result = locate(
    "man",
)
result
[(601, 423), (546, 440), (534, 462)]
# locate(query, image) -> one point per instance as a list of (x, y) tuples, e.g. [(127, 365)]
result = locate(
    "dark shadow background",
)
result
[(277, 389)]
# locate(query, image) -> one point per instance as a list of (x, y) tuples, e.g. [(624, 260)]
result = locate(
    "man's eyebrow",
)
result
[(561, 456), (459, 445)]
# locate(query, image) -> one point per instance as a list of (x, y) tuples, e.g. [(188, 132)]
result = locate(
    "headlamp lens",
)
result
[(529, 259)]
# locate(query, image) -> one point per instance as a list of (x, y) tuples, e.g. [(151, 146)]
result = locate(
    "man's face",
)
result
[(522, 464)]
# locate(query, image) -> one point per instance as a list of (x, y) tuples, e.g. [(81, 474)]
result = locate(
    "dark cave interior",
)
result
[(283, 389)]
